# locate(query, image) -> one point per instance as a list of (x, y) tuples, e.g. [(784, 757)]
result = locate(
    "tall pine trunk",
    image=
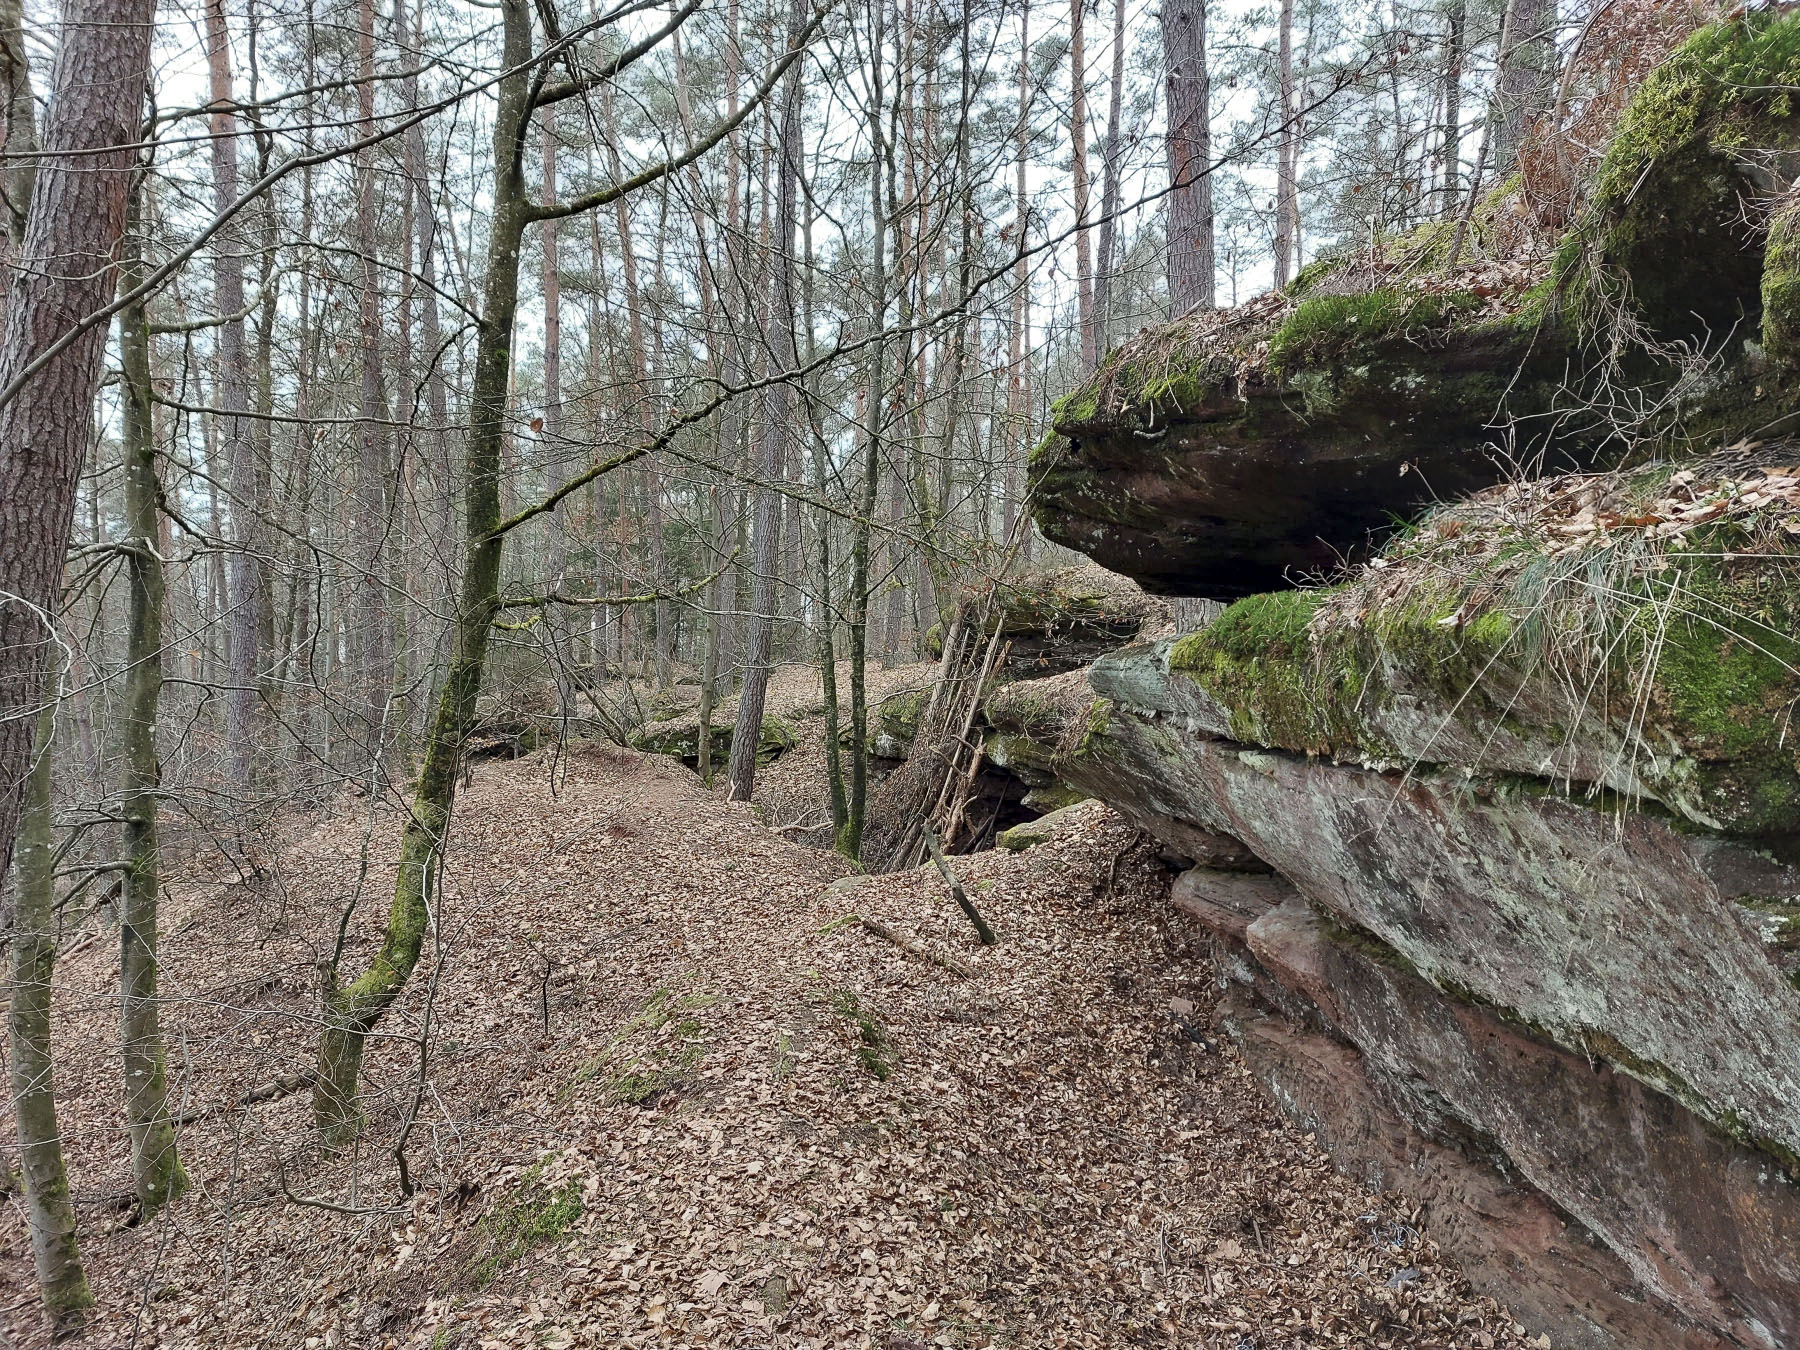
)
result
[(1111, 164), (372, 622), (65, 277), (1191, 259), (1078, 140), (231, 388)]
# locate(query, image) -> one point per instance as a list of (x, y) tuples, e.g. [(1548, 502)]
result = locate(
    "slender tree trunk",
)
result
[(1286, 149), (1078, 138), (156, 1169), (351, 1010), (48, 1212), (231, 387), (774, 442), (1111, 165), (1191, 260), (1450, 137), (642, 390), (373, 622), (1018, 392), (849, 841), (65, 276), (438, 533), (555, 448), (827, 614)]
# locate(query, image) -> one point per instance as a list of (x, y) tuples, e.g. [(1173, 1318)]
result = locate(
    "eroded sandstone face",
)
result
[(1579, 1007), (1525, 775), (1239, 462)]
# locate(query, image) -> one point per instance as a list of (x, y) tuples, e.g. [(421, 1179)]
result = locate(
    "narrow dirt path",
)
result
[(673, 1097)]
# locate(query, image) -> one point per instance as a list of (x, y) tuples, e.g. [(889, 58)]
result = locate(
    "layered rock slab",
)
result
[(1613, 932), (1587, 1012), (1703, 1222), (1223, 462)]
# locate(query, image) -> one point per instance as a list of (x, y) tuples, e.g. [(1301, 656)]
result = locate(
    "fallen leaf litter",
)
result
[(672, 1100)]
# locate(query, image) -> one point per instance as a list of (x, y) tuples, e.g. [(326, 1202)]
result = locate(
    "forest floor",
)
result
[(674, 1095)]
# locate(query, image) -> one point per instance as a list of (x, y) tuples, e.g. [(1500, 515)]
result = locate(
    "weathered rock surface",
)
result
[(1582, 1010), (1506, 1238), (1052, 622), (1259, 448), (1613, 932), (1231, 475), (680, 737), (1701, 1221)]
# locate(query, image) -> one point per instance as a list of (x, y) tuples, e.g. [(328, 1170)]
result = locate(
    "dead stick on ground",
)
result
[(916, 949), (268, 1092), (982, 930)]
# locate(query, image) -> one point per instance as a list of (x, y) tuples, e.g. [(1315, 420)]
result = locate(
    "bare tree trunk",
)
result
[(231, 388), (373, 624), (1450, 137), (1078, 134), (65, 277), (1527, 74), (1286, 149), (1018, 338), (774, 442), (440, 539), (554, 440), (48, 1212), (718, 338), (1111, 165), (1191, 266), (641, 391), (849, 840), (156, 1168)]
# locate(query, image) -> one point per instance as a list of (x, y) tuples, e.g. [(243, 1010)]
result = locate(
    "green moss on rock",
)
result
[(682, 740), (1613, 664), (1781, 289), (1670, 229), (1332, 327)]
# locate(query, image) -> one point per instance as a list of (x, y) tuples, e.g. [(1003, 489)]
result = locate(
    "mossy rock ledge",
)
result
[(681, 738), (1541, 956), (1257, 449), (1057, 620), (1243, 451)]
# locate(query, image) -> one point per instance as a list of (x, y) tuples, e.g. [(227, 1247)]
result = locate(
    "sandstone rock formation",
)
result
[(1498, 831), (1574, 1021), (1258, 448)]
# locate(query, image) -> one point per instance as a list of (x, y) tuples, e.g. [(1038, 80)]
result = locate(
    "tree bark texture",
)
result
[(373, 624), (156, 1167), (1190, 263), (66, 276), (48, 1211)]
